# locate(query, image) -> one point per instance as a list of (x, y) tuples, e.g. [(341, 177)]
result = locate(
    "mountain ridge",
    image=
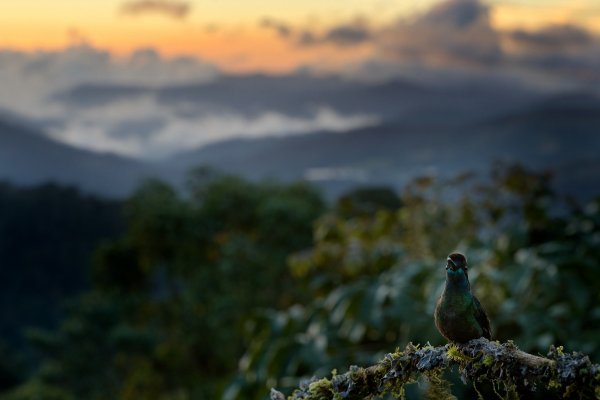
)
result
[(28, 157), (555, 132)]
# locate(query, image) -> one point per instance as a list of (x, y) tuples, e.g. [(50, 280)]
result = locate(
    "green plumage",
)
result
[(459, 315)]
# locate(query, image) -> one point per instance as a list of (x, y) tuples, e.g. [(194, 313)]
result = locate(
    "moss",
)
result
[(553, 384), (356, 373), (399, 392), (570, 391), (479, 395), (428, 346), (488, 360), (454, 354), (511, 391), (320, 390), (495, 388), (438, 388), (508, 369)]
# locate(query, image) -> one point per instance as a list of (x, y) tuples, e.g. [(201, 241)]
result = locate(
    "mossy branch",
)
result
[(479, 360)]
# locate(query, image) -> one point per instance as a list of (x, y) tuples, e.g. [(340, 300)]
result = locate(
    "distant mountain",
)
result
[(555, 133), (248, 94), (28, 157), (47, 236), (435, 137), (93, 95), (300, 94)]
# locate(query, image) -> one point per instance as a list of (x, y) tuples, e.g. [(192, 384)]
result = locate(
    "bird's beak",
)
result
[(451, 264)]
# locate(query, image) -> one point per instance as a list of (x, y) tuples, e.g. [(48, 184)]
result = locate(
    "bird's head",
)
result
[(456, 267)]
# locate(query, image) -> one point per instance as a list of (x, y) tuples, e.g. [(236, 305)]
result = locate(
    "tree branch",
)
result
[(478, 360)]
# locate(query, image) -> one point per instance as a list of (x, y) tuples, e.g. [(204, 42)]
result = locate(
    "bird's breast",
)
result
[(455, 317)]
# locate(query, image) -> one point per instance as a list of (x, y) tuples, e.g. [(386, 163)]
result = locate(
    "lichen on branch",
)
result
[(478, 360)]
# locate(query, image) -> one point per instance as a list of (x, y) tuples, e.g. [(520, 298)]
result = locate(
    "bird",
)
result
[(458, 314)]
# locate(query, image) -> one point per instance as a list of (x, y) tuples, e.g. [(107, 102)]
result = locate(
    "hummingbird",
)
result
[(459, 315)]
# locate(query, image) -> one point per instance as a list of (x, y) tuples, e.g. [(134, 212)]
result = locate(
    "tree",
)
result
[(171, 296), (374, 279), (511, 372)]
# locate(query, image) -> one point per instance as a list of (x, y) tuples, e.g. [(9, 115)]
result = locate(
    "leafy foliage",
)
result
[(170, 297), (47, 234), (512, 373), (233, 287), (374, 278)]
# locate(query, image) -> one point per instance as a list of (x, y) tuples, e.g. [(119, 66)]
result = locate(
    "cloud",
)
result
[(31, 79), (145, 128), (137, 121), (556, 55), (341, 35), (452, 33), (454, 41), (281, 28), (551, 39), (346, 35), (457, 14), (168, 8)]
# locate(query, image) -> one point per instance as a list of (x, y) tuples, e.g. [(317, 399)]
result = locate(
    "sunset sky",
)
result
[(99, 74), (244, 35)]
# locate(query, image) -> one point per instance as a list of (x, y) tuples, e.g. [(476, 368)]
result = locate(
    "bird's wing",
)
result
[(482, 319)]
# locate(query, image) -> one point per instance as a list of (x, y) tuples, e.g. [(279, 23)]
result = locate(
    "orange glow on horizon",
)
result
[(269, 53), (229, 34), (512, 16)]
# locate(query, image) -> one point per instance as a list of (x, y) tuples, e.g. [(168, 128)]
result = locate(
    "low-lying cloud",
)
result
[(453, 43), (30, 80), (114, 104), (168, 8), (144, 128)]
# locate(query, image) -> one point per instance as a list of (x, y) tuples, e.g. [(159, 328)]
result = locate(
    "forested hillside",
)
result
[(232, 287), (47, 236)]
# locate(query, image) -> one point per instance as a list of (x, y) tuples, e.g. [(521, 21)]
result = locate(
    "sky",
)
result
[(245, 35), (126, 76)]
